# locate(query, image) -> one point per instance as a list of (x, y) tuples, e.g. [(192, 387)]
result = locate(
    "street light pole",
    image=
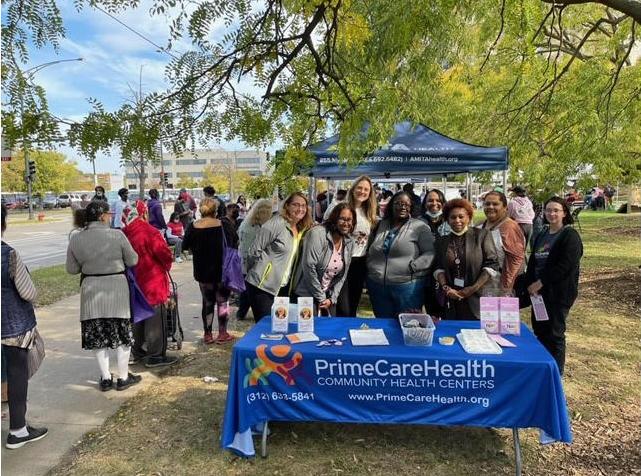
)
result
[(27, 75)]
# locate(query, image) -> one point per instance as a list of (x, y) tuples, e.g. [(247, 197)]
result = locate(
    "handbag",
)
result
[(521, 292), (35, 355), (140, 308), (232, 275)]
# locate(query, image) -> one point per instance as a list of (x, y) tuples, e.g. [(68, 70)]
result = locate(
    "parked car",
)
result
[(64, 200), (50, 201)]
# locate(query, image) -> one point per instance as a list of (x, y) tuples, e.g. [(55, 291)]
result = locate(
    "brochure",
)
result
[(502, 341), (538, 305), (368, 337), (280, 312), (490, 314), (509, 316), (301, 337), (477, 341), (305, 314)]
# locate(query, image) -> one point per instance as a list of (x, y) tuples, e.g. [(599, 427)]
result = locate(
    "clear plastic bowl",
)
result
[(421, 335)]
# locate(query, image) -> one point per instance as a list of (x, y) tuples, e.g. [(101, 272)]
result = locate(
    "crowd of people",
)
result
[(411, 253)]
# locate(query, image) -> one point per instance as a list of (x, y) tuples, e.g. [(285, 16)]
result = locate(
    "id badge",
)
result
[(459, 282)]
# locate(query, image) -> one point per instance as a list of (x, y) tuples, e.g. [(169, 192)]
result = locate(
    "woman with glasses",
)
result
[(325, 263), (400, 252), (553, 272), (465, 262), (273, 254), (509, 242)]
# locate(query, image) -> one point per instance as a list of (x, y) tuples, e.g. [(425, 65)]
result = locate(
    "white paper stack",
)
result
[(368, 337), (477, 341)]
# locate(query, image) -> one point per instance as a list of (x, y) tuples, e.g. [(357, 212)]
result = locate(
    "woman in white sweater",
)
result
[(362, 198)]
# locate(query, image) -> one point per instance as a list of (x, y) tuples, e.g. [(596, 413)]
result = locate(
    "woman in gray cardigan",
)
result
[(400, 252), (101, 255), (326, 257)]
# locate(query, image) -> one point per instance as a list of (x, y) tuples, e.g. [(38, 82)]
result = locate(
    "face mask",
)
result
[(434, 214), (460, 233)]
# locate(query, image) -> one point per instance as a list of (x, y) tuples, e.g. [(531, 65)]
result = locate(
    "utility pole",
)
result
[(163, 181)]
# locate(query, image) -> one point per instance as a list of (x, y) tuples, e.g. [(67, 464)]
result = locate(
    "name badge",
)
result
[(459, 282)]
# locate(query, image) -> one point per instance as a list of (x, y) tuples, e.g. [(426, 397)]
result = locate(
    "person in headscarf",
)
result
[(154, 262)]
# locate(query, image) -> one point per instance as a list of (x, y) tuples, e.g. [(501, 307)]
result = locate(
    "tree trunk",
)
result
[(141, 179)]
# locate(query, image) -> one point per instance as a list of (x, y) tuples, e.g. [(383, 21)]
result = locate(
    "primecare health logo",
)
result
[(279, 360)]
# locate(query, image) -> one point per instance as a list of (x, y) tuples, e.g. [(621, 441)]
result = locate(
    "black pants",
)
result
[(152, 333), (243, 305), (17, 381), (261, 301), (552, 333), (350, 295)]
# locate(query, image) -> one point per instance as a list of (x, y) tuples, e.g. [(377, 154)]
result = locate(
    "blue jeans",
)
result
[(390, 300)]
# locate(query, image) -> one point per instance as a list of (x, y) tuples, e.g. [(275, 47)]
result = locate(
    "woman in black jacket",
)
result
[(553, 272)]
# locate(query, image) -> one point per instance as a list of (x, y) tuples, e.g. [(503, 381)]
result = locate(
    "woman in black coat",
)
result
[(553, 272)]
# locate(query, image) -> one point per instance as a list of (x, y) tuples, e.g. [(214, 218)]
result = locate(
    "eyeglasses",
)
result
[(402, 205), (345, 220), (298, 205)]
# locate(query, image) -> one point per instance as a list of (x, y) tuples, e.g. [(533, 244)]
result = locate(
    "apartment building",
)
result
[(192, 165)]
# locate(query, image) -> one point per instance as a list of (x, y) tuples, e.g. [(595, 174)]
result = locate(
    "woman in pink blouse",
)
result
[(327, 253)]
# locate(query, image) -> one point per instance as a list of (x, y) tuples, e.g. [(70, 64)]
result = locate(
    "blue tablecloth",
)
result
[(440, 385)]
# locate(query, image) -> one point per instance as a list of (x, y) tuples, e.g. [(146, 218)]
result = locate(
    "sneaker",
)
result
[(179, 259), (35, 434), (208, 339), (132, 379), (106, 384), (224, 338), (160, 361)]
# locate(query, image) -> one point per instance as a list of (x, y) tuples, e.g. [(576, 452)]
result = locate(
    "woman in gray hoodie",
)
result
[(400, 252), (272, 256), (326, 257)]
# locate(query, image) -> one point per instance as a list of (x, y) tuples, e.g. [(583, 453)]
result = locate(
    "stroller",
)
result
[(172, 324)]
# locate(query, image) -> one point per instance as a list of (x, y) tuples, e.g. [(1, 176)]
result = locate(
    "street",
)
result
[(40, 244)]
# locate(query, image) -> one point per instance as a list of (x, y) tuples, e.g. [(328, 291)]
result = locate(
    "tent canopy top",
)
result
[(413, 150)]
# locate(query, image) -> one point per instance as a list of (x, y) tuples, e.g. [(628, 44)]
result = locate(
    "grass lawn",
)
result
[(174, 426), (54, 283)]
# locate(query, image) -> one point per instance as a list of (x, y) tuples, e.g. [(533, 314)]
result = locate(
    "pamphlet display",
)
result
[(509, 316), (490, 314), (280, 315), (305, 314)]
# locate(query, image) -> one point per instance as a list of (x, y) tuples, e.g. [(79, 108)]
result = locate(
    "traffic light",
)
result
[(164, 178), (32, 170)]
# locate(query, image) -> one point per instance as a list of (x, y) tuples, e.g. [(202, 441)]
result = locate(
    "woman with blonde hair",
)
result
[(272, 256), (362, 198), (204, 238), (260, 212)]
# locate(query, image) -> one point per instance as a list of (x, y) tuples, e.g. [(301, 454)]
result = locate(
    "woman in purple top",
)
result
[(156, 218)]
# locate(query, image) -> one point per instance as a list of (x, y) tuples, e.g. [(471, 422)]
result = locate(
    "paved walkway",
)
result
[(63, 395)]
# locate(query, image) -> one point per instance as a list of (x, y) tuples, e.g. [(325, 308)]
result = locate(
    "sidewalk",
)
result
[(63, 395)]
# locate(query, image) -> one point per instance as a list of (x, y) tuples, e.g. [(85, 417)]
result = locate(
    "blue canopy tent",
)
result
[(413, 150)]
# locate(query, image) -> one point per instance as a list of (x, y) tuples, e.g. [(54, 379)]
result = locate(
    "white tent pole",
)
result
[(505, 182), (445, 185)]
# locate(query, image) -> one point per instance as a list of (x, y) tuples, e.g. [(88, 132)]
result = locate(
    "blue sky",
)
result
[(112, 58)]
